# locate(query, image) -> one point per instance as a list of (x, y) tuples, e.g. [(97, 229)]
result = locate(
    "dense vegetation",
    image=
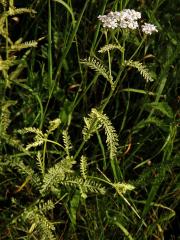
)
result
[(89, 130)]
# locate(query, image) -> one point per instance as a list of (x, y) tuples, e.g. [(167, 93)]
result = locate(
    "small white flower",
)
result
[(148, 28)]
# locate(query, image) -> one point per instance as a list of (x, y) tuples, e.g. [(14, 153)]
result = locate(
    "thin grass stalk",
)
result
[(137, 49), (102, 150), (50, 63), (126, 113), (5, 73), (71, 38), (94, 42), (124, 230)]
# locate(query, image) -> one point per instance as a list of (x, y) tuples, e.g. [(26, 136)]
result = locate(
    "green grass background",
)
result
[(49, 82)]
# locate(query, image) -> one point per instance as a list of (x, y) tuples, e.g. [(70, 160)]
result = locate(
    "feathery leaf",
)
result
[(67, 142), (20, 46), (112, 137), (56, 174), (99, 68), (85, 185), (109, 47), (83, 167), (54, 124), (141, 68)]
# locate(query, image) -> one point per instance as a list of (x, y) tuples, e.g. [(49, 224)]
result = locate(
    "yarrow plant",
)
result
[(63, 179), (127, 18)]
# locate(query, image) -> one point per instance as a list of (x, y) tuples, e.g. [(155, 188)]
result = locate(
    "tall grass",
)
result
[(89, 122)]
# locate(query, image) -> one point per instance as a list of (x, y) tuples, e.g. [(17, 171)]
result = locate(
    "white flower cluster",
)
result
[(127, 18), (148, 28), (124, 19)]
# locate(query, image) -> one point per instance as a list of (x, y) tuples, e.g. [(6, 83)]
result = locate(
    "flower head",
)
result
[(109, 21), (130, 15), (148, 28), (124, 19)]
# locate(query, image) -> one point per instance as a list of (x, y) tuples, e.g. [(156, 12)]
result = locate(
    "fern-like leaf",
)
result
[(40, 162), (19, 46), (38, 139), (110, 47), (37, 142), (4, 3), (6, 64), (54, 124), (99, 68), (56, 174), (83, 167), (30, 130), (85, 185), (141, 68), (91, 126), (94, 122), (5, 115), (41, 227), (67, 142), (111, 135), (46, 206), (16, 11), (122, 188), (4, 124), (46, 228)]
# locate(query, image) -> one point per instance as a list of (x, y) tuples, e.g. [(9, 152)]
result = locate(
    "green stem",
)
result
[(141, 43), (44, 152), (109, 56), (43, 158), (124, 43), (50, 70)]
